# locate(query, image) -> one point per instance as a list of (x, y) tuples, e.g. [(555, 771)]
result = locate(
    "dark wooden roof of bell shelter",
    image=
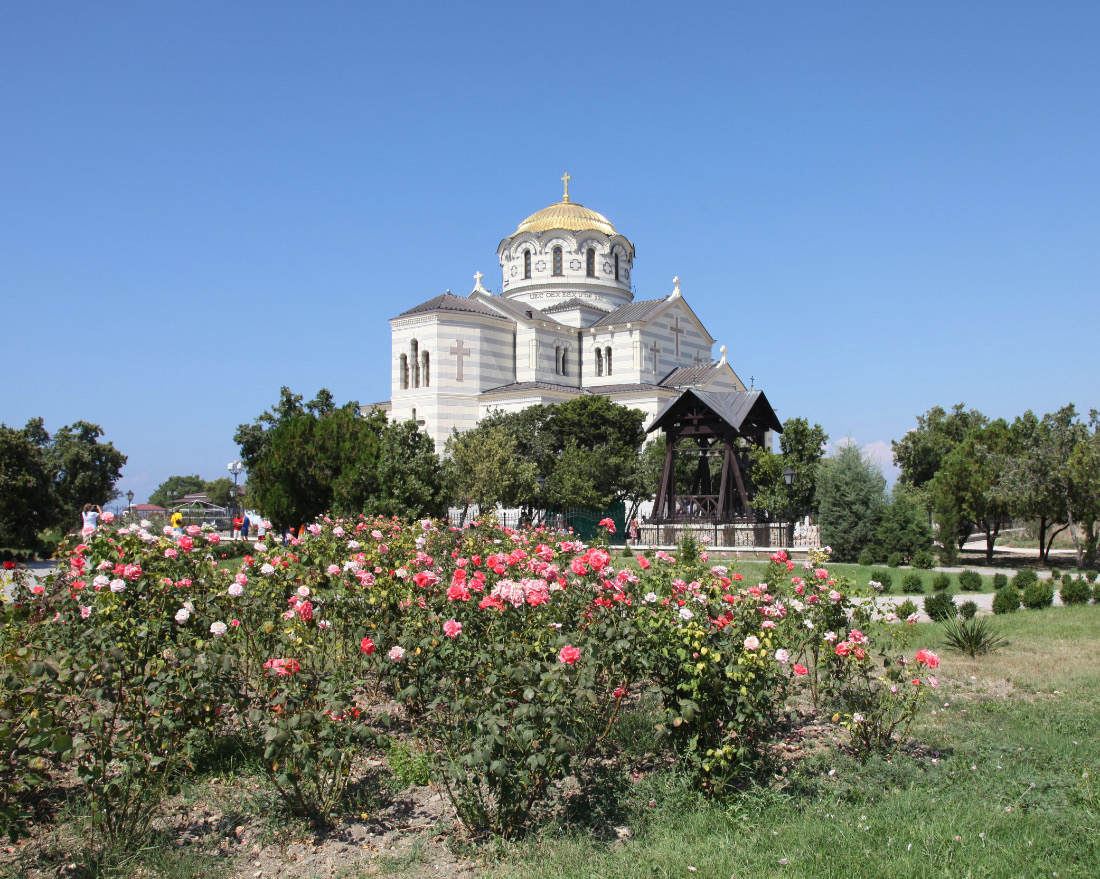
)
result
[(744, 411)]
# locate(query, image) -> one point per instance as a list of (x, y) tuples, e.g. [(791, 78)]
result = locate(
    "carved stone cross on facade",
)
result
[(477, 277), (677, 331), (699, 359), (459, 351), (655, 351)]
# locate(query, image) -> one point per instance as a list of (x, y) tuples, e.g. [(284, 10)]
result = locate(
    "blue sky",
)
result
[(879, 207)]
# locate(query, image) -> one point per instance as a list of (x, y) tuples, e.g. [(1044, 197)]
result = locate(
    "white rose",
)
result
[(183, 615)]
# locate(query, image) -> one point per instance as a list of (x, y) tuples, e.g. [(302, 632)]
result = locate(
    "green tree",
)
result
[(801, 448), (850, 498), (83, 471), (411, 480), (1026, 483), (177, 487), (219, 491), (967, 487), (920, 453), (487, 470), (904, 528), (25, 500)]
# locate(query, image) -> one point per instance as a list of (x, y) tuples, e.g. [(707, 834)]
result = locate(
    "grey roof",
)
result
[(626, 388), (575, 303), (520, 310), (534, 386), (685, 376), (450, 302), (631, 312), (734, 407)]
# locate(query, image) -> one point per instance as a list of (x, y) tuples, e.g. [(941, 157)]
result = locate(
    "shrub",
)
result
[(972, 636), (1056, 573), (1039, 594), (912, 584), (1000, 581), (883, 577), (941, 582), (895, 560), (1006, 600), (940, 607), (968, 610), (1091, 576), (867, 557), (1025, 578), (1067, 577), (1075, 591), (905, 609), (923, 559), (970, 581)]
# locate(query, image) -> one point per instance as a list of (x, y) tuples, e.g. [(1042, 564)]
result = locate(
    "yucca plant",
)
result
[(973, 636)]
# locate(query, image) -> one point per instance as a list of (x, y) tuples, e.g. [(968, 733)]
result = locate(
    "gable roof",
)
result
[(630, 312), (516, 387), (516, 310), (685, 376), (575, 303), (449, 302), (738, 409)]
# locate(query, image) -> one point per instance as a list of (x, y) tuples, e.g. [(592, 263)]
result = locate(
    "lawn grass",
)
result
[(1009, 786)]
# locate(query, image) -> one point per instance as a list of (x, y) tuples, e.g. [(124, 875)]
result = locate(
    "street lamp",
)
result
[(130, 498), (234, 467), (788, 480)]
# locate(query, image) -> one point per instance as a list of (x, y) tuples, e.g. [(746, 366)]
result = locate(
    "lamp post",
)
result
[(234, 467), (130, 505), (788, 480)]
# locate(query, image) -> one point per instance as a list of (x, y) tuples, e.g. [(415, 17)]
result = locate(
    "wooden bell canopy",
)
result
[(715, 424)]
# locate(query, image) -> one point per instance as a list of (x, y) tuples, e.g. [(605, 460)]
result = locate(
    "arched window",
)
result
[(607, 358), (590, 263), (426, 370), (414, 360), (565, 361), (616, 266), (557, 260), (599, 362), (405, 372), (526, 264), (557, 360)]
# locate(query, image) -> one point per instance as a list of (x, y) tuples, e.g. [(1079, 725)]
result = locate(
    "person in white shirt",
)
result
[(90, 516)]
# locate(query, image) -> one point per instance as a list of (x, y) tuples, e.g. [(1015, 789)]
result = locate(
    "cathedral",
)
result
[(565, 324)]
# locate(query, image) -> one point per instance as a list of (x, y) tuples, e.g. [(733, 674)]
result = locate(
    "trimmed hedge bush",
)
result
[(940, 607), (1091, 576), (867, 557), (970, 581), (912, 584), (905, 609), (941, 582), (968, 610), (1025, 578), (1039, 594), (1006, 600), (1075, 591), (922, 559), (1000, 581), (883, 577), (895, 560)]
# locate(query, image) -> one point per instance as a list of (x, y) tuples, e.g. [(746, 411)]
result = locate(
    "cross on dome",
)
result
[(565, 179)]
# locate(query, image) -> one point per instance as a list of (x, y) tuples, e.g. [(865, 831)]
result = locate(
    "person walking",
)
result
[(238, 520), (634, 529), (246, 523), (177, 522)]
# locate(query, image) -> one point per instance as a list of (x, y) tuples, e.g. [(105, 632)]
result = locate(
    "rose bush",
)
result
[(510, 653)]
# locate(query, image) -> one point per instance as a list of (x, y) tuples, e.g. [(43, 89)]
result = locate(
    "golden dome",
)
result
[(566, 215)]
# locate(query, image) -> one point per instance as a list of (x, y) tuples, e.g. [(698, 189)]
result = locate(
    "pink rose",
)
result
[(569, 655), (397, 653), (800, 669), (452, 628), (752, 643)]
